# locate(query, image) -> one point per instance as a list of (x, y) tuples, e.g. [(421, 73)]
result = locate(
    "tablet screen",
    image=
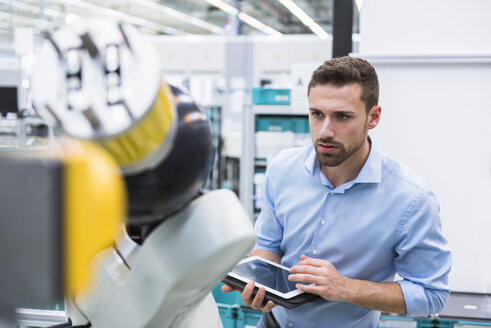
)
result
[(266, 274)]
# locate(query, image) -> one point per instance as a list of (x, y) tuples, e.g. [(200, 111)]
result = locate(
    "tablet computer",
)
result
[(273, 277)]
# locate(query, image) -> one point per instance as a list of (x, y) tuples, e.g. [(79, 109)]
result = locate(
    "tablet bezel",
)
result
[(286, 296)]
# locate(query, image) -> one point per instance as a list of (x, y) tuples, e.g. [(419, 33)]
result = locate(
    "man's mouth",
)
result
[(327, 148)]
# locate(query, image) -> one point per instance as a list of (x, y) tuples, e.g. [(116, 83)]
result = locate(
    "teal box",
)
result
[(276, 123), (265, 96), (444, 323), (228, 315), (233, 298), (405, 322), (247, 317)]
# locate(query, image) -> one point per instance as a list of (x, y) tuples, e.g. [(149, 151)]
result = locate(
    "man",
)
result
[(347, 217)]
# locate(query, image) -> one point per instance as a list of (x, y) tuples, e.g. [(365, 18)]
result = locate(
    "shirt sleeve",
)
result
[(269, 230), (423, 257)]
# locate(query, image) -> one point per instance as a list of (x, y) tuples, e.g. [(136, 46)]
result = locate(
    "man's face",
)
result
[(338, 122)]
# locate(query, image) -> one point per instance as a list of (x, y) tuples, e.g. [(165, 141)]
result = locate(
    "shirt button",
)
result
[(314, 251), (290, 324), (332, 192), (323, 221)]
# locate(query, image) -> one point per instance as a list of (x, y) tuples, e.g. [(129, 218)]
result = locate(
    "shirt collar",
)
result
[(370, 173), (372, 170), (311, 160)]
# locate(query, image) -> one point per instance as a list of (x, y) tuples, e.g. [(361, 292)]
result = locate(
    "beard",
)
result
[(343, 152)]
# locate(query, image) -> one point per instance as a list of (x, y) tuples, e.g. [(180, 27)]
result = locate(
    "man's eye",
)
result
[(316, 114), (342, 117)]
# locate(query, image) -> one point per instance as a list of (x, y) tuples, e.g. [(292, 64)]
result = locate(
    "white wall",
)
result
[(273, 56), (425, 27), (437, 120), (433, 58), (191, 54)]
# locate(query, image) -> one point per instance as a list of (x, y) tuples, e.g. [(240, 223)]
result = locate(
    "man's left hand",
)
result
[(328, 282)]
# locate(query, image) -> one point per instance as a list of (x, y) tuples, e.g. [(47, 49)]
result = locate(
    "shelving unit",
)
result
[(273, 119), (214, 114)]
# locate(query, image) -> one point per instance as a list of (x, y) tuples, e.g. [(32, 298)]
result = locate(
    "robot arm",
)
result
[(99, 80)]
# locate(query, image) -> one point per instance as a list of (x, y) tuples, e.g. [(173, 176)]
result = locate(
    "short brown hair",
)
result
[(345, 70)]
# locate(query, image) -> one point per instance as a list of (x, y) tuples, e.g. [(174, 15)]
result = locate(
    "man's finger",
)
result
[(305, 260), (257, 303), (308, 278), (247, 293), (308, 288), (228, 289), (312, 262), (315, 270), (268, 307)]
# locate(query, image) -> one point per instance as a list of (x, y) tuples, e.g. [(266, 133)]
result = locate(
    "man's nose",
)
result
[(327, 129)]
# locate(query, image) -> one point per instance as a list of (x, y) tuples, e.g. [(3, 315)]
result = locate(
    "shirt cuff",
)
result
[(415, 298), (266, 248)]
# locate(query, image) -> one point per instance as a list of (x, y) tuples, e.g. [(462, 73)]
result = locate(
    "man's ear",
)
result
[(374, 116)]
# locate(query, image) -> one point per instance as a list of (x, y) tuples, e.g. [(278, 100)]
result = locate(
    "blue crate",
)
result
[(281, 123), (247, 317), (405, 322), (228, 315), (233, 298), (265, 96)]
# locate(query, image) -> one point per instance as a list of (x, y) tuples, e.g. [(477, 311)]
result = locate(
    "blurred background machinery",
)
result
[(99, 81)]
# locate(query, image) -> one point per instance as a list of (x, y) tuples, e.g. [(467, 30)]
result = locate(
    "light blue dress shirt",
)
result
[(384, 222)]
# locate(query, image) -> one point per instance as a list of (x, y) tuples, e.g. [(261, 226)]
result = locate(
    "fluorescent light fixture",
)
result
[(304, 18), (180, 15), (32, 8), (224, 6), (244, 17), (127, 17), (99, 10), (257, 24)]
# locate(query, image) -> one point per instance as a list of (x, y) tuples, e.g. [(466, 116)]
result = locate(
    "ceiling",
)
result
[(159, 16)]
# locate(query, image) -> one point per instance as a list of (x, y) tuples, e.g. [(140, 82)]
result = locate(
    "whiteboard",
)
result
[(436, 118)]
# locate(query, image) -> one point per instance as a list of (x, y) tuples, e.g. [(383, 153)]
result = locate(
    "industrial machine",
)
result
[(99, 81)]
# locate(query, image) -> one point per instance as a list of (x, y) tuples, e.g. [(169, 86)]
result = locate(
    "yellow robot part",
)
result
[(146, 136), (95, 209)]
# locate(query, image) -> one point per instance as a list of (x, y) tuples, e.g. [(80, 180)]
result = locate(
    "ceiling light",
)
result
[(257, 24), (123, 16), (34, 9), (180, 15), (304, 18), (68, 17), (244, 17), (224, 6)]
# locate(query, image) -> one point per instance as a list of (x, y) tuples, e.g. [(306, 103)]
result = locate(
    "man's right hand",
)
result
[(257, 302)]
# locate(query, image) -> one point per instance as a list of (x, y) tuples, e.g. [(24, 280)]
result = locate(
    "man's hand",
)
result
[(257, 302), (333, 286), (329, 283)]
